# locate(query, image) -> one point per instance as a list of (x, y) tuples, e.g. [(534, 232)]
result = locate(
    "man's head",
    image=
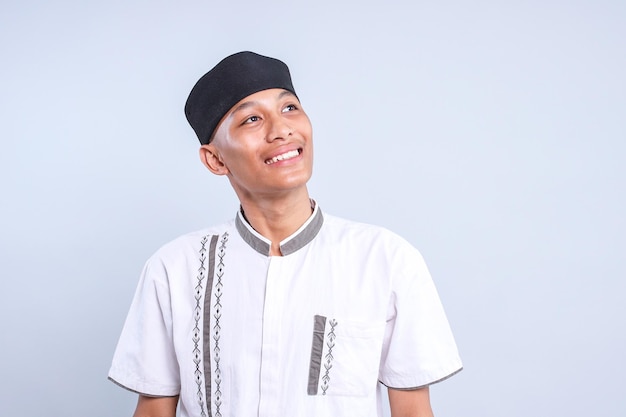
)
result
[(252, 126), (231, 80)]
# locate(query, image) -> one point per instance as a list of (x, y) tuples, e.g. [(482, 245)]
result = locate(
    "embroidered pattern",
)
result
[(197, 355), (216, 327), (328, 358)]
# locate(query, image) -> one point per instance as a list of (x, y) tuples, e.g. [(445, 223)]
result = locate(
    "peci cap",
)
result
[(231, 80)]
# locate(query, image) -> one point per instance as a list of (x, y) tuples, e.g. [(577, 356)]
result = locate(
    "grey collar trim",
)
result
[(305, 234)]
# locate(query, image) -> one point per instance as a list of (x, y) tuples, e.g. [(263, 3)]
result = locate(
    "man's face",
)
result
[(264, 145)]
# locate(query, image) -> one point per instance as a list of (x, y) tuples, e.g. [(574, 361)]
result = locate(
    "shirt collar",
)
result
[(305, 234)]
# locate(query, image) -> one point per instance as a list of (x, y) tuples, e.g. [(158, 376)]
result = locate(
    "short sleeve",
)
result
[(419, 348), (144, 360)]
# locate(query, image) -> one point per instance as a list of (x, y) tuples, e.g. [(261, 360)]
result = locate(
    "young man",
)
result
[(285, 310)]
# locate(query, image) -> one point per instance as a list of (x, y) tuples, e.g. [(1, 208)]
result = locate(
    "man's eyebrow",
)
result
[(286, 93), (243, 106), (253, 103)]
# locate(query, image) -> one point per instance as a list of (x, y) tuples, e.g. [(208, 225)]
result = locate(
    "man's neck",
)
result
[(277, 219)]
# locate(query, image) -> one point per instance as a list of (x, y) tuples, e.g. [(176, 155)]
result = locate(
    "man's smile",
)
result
[(284, 156)]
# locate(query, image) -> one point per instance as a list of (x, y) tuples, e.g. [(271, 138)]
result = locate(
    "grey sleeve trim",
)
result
[(319, 325), (425, 385), (139, 392)]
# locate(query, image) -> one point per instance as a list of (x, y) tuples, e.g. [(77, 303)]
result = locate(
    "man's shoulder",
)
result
[(361, 231), (191, 243), (371, 243)]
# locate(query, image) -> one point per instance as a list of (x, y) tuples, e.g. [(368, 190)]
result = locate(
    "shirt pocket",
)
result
[(345, 357)]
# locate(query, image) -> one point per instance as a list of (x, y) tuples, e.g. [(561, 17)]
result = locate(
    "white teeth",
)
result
[(282, 157)]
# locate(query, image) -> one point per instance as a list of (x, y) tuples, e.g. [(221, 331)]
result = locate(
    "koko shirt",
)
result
[(236, 332)]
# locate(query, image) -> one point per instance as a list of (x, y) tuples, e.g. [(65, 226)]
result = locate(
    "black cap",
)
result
[(231, 80)]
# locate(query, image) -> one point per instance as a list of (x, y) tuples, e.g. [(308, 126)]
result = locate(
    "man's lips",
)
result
[(284, 156)]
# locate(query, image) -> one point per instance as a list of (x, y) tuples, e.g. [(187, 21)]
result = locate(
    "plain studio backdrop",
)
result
[(490, 134)]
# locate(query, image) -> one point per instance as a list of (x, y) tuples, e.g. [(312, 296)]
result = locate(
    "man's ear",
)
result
[(210, 157)]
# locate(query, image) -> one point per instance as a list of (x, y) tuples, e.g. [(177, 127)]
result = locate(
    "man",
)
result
[(285, 310)]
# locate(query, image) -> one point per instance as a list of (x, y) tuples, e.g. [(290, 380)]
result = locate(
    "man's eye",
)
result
[(290, 107), (251, 119)]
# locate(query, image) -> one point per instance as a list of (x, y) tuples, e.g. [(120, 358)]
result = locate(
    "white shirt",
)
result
[(236, 332)]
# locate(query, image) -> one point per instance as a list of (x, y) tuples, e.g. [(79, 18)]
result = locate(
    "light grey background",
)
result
[(490, 134)]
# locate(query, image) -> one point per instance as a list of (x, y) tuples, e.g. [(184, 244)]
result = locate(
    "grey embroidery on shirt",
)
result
[(216, 326), (317, 347), (199, 310), (328, 358), (196, 330)]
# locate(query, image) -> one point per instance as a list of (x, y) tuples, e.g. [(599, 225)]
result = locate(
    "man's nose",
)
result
[(279, 128)]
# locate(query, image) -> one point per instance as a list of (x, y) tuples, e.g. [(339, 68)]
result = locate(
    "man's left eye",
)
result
[(290, 107)]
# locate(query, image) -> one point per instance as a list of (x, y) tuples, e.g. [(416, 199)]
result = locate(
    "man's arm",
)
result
[(156, 406), (410, 403)]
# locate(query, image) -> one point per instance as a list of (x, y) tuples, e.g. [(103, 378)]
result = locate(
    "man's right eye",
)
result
[(251, 119)]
